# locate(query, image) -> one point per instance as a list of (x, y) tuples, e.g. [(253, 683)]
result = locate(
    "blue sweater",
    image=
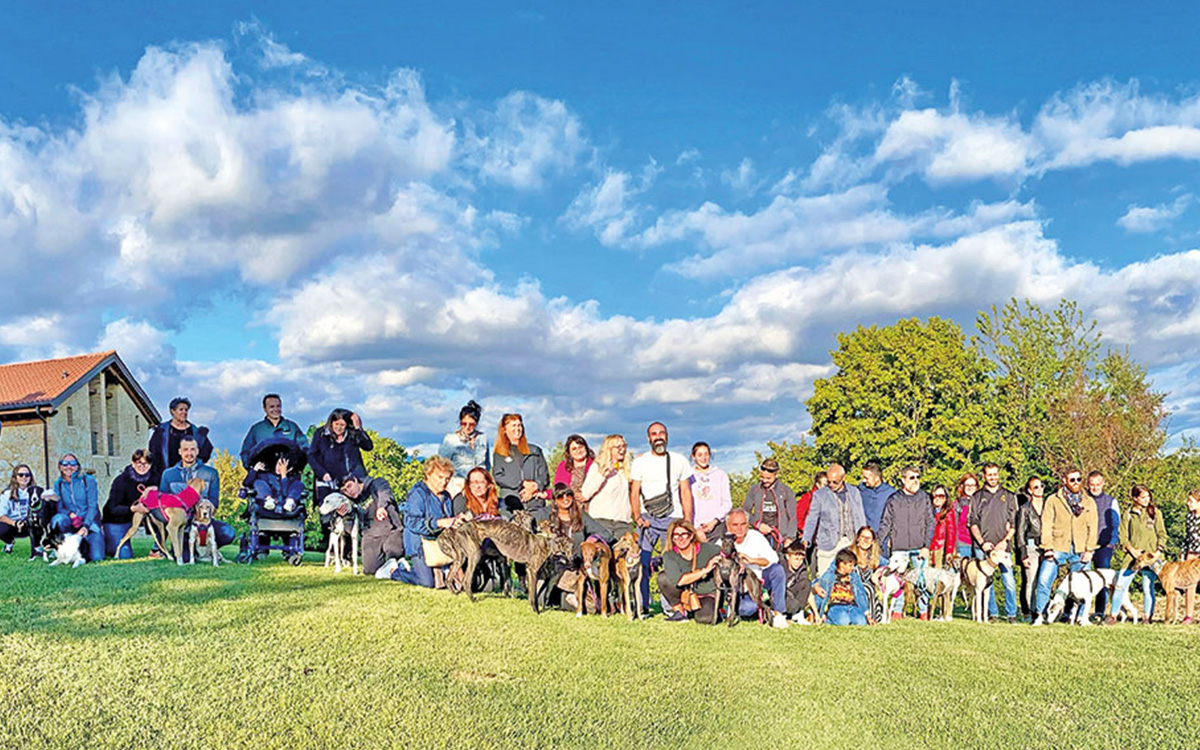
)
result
[(422, 511), (873, 500), (80, 497)]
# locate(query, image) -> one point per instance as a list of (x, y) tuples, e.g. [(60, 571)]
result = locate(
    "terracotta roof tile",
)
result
[(42, 382)]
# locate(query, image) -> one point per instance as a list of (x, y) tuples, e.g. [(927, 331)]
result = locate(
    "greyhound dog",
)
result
[(339, 526), (941, 584), (628, 567), (597, 564), (202, 535), (174, 508), (977, 582), (1174, 577), (1083, 586), (732, 581), (514, 542)]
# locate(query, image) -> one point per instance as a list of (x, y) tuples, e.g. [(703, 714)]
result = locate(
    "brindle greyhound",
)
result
[(629, 573), (731, 578), (465, 546)]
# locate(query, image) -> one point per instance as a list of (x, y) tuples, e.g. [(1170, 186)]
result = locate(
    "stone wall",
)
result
[(21, 443)]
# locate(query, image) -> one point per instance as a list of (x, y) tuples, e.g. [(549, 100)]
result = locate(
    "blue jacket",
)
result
[(262, 430), (160, 445), (80, 497), (175, 479), (824, 522), (873, 500), (860, 594), (280, 488), (422, 511), (1109, 514)]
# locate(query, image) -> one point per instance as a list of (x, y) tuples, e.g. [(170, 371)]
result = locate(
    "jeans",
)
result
[(899, 562), (648, 537), (112, 534), (845, 614), (1102, 558), (93, 543), (420, 575), (1008, 581), (775, 582), (1121, 590), (1048, 572)]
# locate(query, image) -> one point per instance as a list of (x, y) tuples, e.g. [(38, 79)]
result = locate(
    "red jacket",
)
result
[(803, 503), (945, 532)]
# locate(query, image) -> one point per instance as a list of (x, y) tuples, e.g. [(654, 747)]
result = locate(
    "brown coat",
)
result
[(1062, 529)]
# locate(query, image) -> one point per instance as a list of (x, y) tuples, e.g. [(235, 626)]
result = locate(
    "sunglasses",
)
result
[(940, 494), (24, 474), (1075, 479), (68, 463)]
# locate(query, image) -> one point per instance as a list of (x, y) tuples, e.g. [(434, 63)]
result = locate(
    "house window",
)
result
[(70, 417), (95, 444), (112, 444), (137, 424)]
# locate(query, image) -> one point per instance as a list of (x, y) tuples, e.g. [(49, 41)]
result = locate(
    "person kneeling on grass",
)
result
[(382, 524), (761, 561), (841, 597), (686, 581), (428, 510), (798, 586)]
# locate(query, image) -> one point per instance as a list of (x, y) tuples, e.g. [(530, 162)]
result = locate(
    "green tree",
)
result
[(913, 392)]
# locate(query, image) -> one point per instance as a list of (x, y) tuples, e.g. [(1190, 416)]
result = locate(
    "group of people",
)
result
[(818, 555)]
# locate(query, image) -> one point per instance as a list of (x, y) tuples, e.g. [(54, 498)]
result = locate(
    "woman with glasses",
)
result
[(1029, 539), (945, 527), (686, 581), (23, 512), (967, 486), (78, 506), (467, 447), (124, 499)]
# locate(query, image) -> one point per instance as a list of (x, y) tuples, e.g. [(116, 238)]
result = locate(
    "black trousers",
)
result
[(671, 593), (377, 548), (9, 533)]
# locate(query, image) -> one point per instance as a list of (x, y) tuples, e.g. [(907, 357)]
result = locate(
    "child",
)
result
[(797, 583), (841, 597), (278, 490), (1191, 546)]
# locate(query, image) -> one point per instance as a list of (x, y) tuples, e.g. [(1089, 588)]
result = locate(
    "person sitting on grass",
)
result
[(841, 596), (686, 581), (23, 511), (762, 561), (568, 519), (479, 497), (798, 586), (867, 555), (124, 499), (78, 508)]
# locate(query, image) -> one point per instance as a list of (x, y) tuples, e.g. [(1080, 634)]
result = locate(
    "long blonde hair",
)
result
[(604, 456)]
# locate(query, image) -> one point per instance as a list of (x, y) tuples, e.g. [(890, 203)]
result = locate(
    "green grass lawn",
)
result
[(143, 654)]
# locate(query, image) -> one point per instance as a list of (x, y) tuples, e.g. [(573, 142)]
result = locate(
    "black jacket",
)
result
[(126, 489), (338, 460), (161, 455), (509, 471), (1029, 526), (377, 493)]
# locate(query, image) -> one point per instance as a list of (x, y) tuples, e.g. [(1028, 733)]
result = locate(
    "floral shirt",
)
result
[(1191, 535)]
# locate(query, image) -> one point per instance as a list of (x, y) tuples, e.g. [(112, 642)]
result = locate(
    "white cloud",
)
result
[(1153, 218), (743, 179), (528, 138), (607, 207)]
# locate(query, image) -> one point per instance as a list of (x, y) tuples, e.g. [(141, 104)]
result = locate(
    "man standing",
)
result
[(1108, 516), (834, 518), (906, 527), (382, 524), (659, 492), (164, 441), (762, 561), (875, 493), (992, 518), (273, 425), (1069, 533), (771, 504), (175, 479)]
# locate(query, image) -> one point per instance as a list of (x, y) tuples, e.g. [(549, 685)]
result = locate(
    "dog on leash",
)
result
[(627, 567), (202, 536), (597, 564), (158, 532), (940, 584), (1176, 577), (174, 508), (339, 526), (68, 552), (465, 547), (733, 581), (977, 582), (1082, 587)]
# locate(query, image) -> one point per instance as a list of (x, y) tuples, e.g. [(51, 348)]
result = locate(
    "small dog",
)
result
[(1083, 586), (202, 536), (68, 551), (1176, 577), (977, 582), (339, 526), (628, 567), (597, 562)]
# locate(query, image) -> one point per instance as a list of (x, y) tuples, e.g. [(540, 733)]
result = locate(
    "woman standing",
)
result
[(1142, 533), (945, 527), (711, 499), (336, 451), (1191, 547), (572, 470), (605, 490), (1028, 539), (78, 506), (467, 447), (967, 486), (124, 498), (23, 511), (520, 469)]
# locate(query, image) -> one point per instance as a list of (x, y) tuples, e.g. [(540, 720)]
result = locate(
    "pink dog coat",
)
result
[(186, 500)]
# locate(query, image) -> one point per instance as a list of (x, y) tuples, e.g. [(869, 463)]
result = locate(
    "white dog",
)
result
[(68, 551), (940, 584), (1083, 586), (339, 525), (977, 581)]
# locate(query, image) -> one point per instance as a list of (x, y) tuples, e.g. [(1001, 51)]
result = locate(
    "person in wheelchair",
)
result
[(274, 495), (279, 491)]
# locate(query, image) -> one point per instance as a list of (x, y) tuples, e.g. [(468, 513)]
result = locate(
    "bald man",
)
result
[(834, 518)]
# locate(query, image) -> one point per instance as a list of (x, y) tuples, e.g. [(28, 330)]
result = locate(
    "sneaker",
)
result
[(897, 616), (780, 621), (269, 504), (389, 567), (799, 619), (8, 549), (1037, 621), (289, 505), (1012, 620), (677, 617), (156, 555), (1187, 621)]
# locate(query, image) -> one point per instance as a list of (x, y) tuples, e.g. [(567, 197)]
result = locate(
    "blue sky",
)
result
[(595, 216)]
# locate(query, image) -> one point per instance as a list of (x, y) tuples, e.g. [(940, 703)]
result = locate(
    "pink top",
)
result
[(964, 529), (185, 500)]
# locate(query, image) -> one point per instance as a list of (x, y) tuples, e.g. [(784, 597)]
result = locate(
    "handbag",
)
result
[(660, 505), (689, 601), (432, 552)]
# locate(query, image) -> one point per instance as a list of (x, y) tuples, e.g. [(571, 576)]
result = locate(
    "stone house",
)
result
[(89, 405)]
